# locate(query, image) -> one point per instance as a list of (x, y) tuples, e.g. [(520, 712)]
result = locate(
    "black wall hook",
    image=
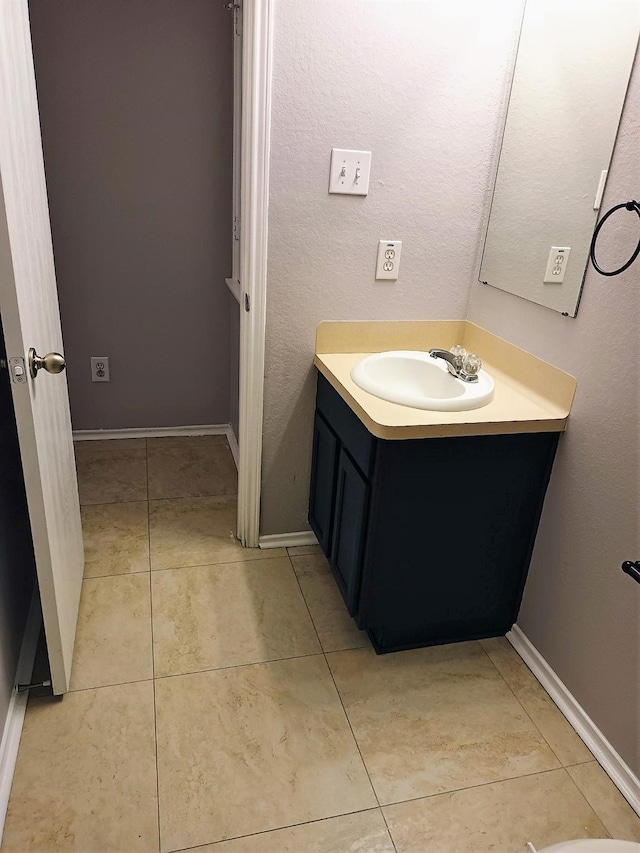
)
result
[(632, 569)]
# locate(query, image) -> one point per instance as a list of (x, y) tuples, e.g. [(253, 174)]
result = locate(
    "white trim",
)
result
[(257, 29), (234, 286), (150, 432), (233, 444), (612, 763), (288, 540), (18, 705)]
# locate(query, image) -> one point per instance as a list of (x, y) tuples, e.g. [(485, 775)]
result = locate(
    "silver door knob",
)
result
[(52, 362)]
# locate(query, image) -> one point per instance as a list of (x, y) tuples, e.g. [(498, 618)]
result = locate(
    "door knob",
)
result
[(52, 362)]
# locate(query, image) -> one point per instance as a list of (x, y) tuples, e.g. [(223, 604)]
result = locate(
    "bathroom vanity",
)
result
[(428, 519)]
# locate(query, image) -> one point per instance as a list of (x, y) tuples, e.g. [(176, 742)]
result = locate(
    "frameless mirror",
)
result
[(569, 83)]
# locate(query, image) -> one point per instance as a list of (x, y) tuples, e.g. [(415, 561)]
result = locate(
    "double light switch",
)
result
[(349, 174)]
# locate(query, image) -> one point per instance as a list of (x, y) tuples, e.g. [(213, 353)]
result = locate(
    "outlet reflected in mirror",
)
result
[(569, 83)]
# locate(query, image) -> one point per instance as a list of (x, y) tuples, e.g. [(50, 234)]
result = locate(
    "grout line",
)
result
[(237, 666), (473, 787), (257, 560), (344, 710), (562, 765), (116, 575), (515, 695), (113, 503), (106, 686), (222, 498), (274, 829), (153, 653), (381, 809)]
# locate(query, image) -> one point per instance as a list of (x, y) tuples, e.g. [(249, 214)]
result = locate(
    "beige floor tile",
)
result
[(197, 470), (364, 832), (113, 639), (86, 778), (253, 748), (235, 613), (436, 719), (116, 539), (111, 476), (545, 808), (608, 803), (335, 627), (305, 551), (198, 532), (188, 441), (552, 724)]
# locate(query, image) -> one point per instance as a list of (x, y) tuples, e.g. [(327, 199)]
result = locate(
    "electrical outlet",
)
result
[(388, 263), (557, 264), (99, 368)]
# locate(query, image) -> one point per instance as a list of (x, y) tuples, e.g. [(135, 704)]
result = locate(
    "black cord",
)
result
[(629, 205)]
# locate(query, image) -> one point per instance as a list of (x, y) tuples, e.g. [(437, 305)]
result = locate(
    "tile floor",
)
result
[(223, 701)]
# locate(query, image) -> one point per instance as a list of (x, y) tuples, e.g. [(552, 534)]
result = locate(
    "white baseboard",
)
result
[(288, 540), (150, 432), (18, 706), (233, 444), (611, 762)]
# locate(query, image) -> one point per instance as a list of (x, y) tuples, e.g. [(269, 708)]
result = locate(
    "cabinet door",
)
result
[(349, 529), (323, 478)]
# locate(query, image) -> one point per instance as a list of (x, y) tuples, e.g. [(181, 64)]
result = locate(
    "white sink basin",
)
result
[(414, 378)]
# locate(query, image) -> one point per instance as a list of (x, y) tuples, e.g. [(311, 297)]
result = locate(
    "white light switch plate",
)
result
[(557, 264), (349, 173), (388, 263)]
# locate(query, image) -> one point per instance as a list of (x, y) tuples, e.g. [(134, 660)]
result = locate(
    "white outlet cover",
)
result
[(388, 261), (557, 264), (349, 172)]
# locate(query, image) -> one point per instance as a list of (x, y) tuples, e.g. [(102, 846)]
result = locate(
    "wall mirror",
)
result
[(569, 83)]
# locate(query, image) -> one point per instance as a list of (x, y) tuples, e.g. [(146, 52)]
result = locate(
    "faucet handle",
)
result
[(459, 354), (472, 364)]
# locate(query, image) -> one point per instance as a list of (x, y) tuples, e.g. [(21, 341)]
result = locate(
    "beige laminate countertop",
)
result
[(530, 395)]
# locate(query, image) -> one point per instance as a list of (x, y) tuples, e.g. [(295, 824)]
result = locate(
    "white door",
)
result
[(30, 318)]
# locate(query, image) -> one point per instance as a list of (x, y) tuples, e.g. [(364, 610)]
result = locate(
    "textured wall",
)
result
[(136, 112), (579, 610), (422, 86)]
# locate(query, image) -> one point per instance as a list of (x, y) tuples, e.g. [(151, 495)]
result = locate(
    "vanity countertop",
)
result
[(530, 394)]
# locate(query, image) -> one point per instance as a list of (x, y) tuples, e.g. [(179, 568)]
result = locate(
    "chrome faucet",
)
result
[(465, 368)]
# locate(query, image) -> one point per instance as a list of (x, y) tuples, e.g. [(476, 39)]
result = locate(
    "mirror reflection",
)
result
[(569, 83)]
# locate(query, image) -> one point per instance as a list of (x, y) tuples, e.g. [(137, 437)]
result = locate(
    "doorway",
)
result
[(136, 111), (32, 284)]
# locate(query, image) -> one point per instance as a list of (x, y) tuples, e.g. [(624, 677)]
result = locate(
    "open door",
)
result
[(30, 318)]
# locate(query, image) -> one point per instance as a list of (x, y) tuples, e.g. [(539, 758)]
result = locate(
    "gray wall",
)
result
[(423, 89), (17, 567), (136, 111), (579, 610)]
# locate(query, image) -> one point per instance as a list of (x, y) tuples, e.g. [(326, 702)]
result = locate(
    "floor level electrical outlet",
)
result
[(99, 368), (388, 263)]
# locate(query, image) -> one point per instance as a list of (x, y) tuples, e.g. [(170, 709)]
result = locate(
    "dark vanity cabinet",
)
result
[(429, 539)]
